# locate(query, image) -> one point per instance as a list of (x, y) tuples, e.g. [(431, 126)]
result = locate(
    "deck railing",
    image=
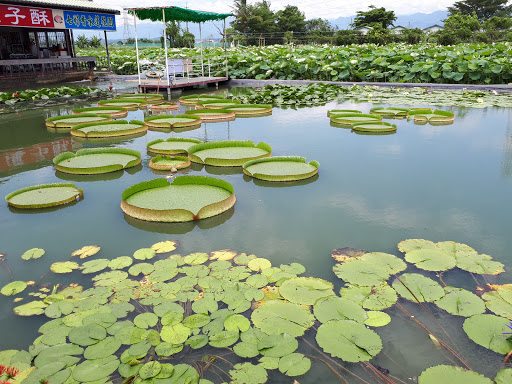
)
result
[(41, 67)]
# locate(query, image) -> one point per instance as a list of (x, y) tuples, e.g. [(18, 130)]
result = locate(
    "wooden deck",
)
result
[(153, 84)]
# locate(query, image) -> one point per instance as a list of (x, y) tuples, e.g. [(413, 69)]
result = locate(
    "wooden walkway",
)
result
[(153, 84)]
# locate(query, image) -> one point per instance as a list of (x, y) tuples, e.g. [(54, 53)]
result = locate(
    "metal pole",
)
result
[(226, 48), (165, 46), (201, 44), (136, 45), (108, 54)]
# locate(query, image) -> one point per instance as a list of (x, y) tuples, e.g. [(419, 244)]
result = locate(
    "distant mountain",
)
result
[(415, 20)]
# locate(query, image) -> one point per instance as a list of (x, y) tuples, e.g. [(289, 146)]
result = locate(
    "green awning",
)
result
[(176, 14)]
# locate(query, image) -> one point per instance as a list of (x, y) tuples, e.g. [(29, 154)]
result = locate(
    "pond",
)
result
[(450, 182)]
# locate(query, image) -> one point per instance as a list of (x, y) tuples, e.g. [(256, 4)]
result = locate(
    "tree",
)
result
[(242, 14), (177, 37), (413, 35), (291, 19), (319, 25), (459, 28), (82, 41), (484, 9), (379, 35), (95, 42), (374, 17), (261, 19)]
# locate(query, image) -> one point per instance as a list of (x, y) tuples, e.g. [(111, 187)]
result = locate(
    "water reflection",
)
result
[(281, 184), (44, 210), (180, 228), (373, 133), (109, 140), (212, 170), (84, 178)]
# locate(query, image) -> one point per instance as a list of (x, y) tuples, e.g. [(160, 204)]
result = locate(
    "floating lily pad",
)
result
[(259, 264), (92, 370), (306, 290), (115, 112), (108, 129), (294, 364), (106, 279), (165, 106), (150, 370), (64, 266), (89, 161), (431, 259), (72, 120), (88, 334), (275, 317), (34, 253), (390, 111), (175, 334), (451, 374), (44, 195), (94, 266), (144, 254), (152, 97), (172, 145), (369, 269), (348, 340), (377, 319), (223, 339), (460, 302), (165, 246), (347, 119), (212, 115), (236, 322), (422, 288), (374, 298), (128, 103), (186, 199), (499, 300), (414, 244), (504, 376), (281, 168), (102, 349), (169, 163), (13, 288), (248, 110), (247, 373), (338, 308), (120, 262), (478, 263), (86, 251), (216, 103), (228, 153), (377, 127), (431, 116), (173, 122), (488, 331), (194, 99)]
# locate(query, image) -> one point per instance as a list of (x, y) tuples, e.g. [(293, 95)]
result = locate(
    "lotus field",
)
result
[(463, 63)]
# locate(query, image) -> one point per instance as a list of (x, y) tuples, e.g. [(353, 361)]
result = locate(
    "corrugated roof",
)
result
[(78, 5)]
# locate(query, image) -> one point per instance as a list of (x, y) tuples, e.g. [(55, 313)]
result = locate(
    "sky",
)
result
[(327, 9)]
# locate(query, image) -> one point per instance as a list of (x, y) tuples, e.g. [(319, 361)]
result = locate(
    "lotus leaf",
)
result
[(377, 319), (451, 374), (246, 349), (373, 298), (247, 373), (34, 253), (140, 349), (64, 266), (150, 370), (175, 334), (460, 302), (306, 290), (145, 320), (183, 374), (120, 262), (86, 335), (107, 279), (369, 269), (259, 264), (348, 340), (196, 321), (86, 251), (268, 362), (415, 244), (165, 246), (236, 322), (30, 309), (499, 300), (225, 254), (144, 268), (196, 258), (92, 370), (277, 345), (416, 287), (504, 376), (294, 364), (205, 306), (338, 308), (487, 331), (59, 308), (431, 259), (94, 266), (478, 263), (223, 339), (102, 349), (13, 288), (144, 254), (197, 341), (168, 349)]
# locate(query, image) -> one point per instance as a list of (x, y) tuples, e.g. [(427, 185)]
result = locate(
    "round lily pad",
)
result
[(338, 308), (194, 99), (306, 290), (90, 161), (44, 195), (120, 262), (488, 331), (228, 153), (102, 349), (171, 146), (499, 300), (431, 116), (72, 120), (223, 339), (373, 298), (128, 103), (64, 266), (13, 288), (347, 119), (348, 340), (247, 373), (94, 266), (212, 115), (451, 374), (151, 97), (176, 123), (88, 334), (274, 317), (175, 334), (294, 364), (108, 129), (460, 302), (422, 288), (186, 199), (169, 163), (92, 370), (390, 111), (377, 319), (377, 127), (149, 370), (34, 253), (281, 168), (165, 246), (259, 264), (144, 254), (86, 251), (504, 376), (414, 244), (216, 103), (115, 112), (248, 110), (431, 259), (478, 263), (165, 106)]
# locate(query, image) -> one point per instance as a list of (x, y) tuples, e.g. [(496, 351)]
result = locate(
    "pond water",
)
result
[(450, 182)]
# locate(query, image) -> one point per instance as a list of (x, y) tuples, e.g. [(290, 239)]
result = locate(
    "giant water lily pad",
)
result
[(72, 120), (179, 122), (369, 269), (431, 116), (249, 110), (44, 195), (348, 119), (488, 331), (460, 302), (128, 103), (274, 317), (228, 153), (186, 199), (306, 290), (451, 374), (108, 129), (348, 340), (89, 161), (499, 300), (13, 288), (172, 145), (115, 112), (281, 168), (212, 115), (374, 298), (416, 287), (374, 127)]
